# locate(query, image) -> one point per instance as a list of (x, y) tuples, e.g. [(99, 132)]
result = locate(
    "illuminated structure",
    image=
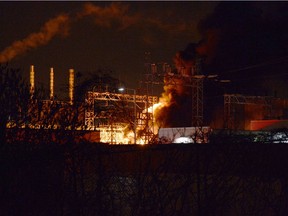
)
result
[(122, 89), (103, 112), (71, 85), (162, 74), (51, 83), (116, 115), (109, 113), (32, 80)]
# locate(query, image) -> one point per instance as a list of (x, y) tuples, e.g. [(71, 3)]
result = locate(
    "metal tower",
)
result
[(231, 100), (96, 119)]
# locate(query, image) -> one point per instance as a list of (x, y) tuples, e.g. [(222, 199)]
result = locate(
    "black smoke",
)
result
[(244, 42)]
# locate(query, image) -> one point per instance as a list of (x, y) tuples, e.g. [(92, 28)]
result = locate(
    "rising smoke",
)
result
[(235, 36), (111, 16), (114, 16), (238, 35), (176, 100), (107, 16), (56, 26)]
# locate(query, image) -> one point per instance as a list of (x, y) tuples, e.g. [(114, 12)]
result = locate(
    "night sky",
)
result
[(98, 35), (236, 40)]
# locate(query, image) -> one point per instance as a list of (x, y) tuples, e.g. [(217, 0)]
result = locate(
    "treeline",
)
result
[(181, 179)]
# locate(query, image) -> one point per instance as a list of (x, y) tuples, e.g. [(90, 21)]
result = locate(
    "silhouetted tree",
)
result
[(14, 99)]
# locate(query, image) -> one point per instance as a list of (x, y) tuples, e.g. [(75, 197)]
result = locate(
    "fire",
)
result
[(154, 110), (122, 134), (113, 134)]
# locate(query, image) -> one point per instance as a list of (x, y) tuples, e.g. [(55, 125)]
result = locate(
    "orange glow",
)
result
[(71, 85), (116, 134), (51, 83), (121, 134), (56, 26), (32, 79)]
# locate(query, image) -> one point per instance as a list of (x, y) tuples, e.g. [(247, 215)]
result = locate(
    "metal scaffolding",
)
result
[(231, 100), (193, 82), (104, 117), (164, 74), (197, 101)]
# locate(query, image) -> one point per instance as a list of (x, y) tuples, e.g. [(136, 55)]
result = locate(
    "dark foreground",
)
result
[(188, 179)]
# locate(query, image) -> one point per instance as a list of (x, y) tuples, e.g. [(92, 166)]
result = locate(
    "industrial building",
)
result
[(107, 117), (130, 118)]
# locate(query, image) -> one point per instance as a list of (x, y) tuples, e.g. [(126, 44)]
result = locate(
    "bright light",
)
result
[(51, 83), (71, 84), (152, 108), (183, 140), (121, 89), (184, 135), (280, 137)]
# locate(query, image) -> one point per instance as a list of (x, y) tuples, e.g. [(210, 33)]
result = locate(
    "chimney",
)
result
[(32, 80), (71, 85), (51, 83)]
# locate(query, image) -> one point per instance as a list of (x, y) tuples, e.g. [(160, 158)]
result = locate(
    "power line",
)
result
[(275, 61)]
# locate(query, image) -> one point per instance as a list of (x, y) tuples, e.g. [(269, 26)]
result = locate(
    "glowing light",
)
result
[(32, 79), (280, 137), (71, 85), (184, 135), (51, 83), (183, 140), (154, 107), (114, 134)]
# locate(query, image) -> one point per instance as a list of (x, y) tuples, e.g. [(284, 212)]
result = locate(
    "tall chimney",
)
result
[(71, 85), (51, 83), (32, 80)]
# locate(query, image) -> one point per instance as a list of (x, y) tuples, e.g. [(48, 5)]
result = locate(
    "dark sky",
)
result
[(96, 35), (238, 40), (246, 42)]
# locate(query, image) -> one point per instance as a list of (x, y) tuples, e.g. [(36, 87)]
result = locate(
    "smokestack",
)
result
[(32, 80), (71, 85), (51, 84)]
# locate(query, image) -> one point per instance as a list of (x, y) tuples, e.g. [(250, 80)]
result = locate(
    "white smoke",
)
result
[(56, 26), (116, 16)]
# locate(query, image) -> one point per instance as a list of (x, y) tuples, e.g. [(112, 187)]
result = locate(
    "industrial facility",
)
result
[(182, 114)]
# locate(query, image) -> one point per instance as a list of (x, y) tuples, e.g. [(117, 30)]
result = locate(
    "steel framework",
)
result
[(194, 82), (197, 101), (231, 100), (142, 102), (163, 74)]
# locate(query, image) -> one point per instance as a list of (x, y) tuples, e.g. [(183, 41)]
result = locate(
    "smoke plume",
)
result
[(174, 108), (56, 26), (115, 14), (235, 36), (176, 100), (240, 34)]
